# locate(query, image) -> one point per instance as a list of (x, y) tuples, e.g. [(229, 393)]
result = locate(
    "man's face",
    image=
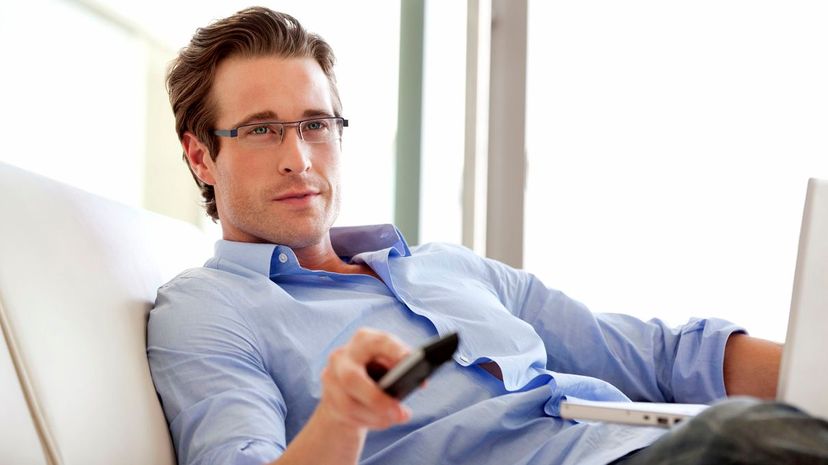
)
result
[(287, 194)]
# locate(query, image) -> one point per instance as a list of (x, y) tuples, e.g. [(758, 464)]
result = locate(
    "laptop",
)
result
[(802, 357)]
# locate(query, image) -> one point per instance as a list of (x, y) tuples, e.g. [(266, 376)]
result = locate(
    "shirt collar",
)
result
[(274, 259), (349, 241)]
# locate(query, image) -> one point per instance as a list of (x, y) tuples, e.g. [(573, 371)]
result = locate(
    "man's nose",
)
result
[(294, 154)]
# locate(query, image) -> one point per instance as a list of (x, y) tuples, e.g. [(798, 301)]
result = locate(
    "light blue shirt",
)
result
[(236, 349)]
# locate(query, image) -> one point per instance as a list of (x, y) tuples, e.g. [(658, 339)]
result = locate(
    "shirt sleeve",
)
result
[(646, 360), (221, 404)]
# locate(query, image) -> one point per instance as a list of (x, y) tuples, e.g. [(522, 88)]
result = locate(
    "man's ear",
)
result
[(199, 158)]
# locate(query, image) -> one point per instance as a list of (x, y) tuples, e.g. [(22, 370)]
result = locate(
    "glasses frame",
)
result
[(234, 132)]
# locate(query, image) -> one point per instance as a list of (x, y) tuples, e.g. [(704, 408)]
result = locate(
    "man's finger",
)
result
[(368, 344)]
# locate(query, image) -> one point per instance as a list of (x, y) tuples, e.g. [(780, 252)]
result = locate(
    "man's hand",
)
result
[(349, 395), (351, 402)]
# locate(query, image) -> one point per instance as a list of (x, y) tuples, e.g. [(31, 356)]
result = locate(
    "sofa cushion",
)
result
[(78, 276)]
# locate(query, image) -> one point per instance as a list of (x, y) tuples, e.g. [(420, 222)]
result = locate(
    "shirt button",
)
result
[(464, 359), (282, 258)]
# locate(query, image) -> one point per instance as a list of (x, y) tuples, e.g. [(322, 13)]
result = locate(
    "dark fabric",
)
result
[(741, 431)]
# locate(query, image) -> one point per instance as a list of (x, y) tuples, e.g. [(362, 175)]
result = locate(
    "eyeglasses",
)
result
[(268, 134)]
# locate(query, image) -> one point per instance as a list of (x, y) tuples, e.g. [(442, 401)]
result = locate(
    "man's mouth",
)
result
[(296, 196)]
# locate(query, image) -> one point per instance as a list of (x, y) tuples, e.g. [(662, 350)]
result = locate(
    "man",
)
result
[(261, 355)]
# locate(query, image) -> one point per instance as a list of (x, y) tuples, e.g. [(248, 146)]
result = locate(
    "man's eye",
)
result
[(316, 125), (259, 130)]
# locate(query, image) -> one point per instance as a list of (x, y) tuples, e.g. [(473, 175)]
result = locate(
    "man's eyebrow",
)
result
[(258, 116), (313, 112), (272, 116)]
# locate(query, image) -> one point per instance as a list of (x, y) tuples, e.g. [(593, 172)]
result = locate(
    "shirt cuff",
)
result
[(698, 373)]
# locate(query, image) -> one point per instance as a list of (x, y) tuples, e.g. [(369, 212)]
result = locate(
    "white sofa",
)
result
[(78, 275)]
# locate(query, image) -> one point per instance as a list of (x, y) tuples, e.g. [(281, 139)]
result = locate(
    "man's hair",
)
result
[(253, 32)]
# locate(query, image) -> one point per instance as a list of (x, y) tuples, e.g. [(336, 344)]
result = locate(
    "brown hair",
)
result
[(252, 32)]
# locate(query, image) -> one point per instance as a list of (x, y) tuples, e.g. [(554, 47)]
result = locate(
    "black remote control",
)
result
[(409, 373)]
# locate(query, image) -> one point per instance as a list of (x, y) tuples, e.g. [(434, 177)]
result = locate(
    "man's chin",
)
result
[(298, 237), (299, 231)]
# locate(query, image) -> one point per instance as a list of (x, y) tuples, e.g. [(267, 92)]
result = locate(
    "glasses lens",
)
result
[(321, 130), (261, 135)]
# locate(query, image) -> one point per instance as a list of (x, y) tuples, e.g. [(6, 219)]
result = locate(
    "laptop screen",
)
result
[(803, 379)]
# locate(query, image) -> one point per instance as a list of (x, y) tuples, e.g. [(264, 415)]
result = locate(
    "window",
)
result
[(669, 147), (444, 106), (73, 98)]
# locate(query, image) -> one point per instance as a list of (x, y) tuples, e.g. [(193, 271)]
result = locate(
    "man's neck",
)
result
[(322, 257)]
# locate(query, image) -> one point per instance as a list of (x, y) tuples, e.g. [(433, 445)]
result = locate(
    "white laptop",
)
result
[(803, 375)]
